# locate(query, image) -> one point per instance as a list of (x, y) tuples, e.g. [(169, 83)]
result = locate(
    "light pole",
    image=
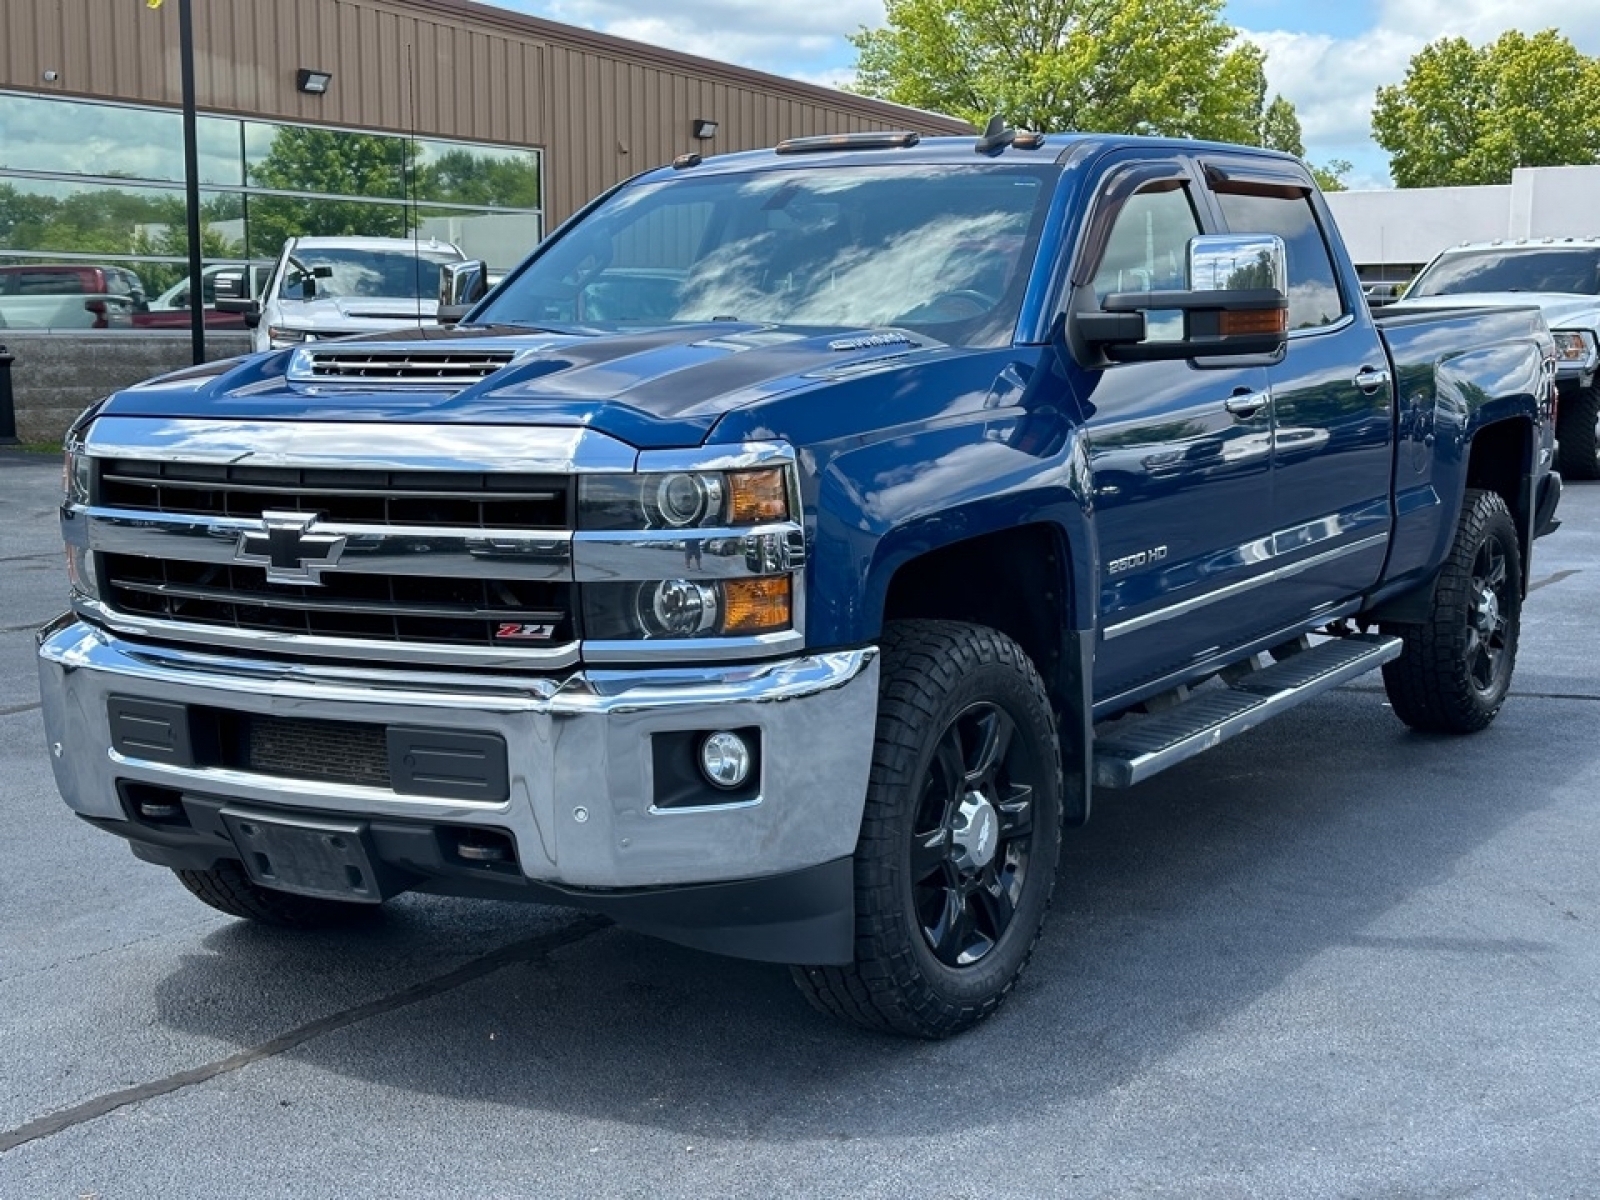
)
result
[(191, 180)]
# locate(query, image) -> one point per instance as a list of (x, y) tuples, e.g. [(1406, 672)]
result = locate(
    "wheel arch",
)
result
[(1018, 580), (1501, 459)]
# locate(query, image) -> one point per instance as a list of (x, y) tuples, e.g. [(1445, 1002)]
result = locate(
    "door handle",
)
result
[(1244, 405), (1370, 379)]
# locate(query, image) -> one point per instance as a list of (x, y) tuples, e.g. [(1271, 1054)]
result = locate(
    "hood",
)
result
[(354, 312), (652, 388), (1562, 310)]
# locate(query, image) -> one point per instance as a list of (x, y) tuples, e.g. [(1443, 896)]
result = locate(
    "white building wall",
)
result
[(1402, 228)]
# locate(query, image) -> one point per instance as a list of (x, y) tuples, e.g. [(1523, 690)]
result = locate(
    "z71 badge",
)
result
[(524, 633), (1131, 562)]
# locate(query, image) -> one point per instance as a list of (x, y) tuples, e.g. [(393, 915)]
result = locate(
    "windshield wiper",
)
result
[(541, 327)]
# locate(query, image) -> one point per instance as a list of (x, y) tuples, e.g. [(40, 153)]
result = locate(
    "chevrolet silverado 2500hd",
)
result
[(781, 557)]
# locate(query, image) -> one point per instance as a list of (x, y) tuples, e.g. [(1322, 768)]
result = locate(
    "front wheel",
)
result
[(1578, 431), (1455, 670), (960, 837)]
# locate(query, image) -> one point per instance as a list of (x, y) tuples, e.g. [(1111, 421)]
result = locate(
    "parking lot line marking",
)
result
[(58, 1122)]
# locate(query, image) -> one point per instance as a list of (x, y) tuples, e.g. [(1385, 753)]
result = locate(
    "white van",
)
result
[(329, 287)]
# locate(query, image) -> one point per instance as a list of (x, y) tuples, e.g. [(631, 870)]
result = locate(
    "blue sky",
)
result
[(1327, 56)]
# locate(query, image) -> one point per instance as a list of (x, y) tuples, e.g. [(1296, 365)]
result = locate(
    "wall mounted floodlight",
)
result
[(704, 129), (313, 83)]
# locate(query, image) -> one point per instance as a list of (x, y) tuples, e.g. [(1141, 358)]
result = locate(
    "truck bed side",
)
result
[(1458, 374)]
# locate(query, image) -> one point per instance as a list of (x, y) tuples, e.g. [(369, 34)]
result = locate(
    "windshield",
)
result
[(940, 250), (1545, 269), (366, 272)]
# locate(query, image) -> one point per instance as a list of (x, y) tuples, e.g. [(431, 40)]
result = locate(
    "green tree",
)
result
[(1171, 67), (330, 162), (466, 177), (1330, 178), (1280, 128), (1471, 116)]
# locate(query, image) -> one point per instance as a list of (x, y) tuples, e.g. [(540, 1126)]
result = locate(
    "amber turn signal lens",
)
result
[(1263, 320), (757, 496), (756, 605)]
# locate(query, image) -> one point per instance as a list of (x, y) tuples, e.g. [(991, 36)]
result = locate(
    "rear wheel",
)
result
[(1455, 671), (228, 889), (960, 837), (1578, 431)]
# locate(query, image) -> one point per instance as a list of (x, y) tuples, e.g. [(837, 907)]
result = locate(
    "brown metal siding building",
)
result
[(599, 108)]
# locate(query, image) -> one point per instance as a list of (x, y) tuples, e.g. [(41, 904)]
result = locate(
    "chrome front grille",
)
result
[(383, 608), (421, 565), (458, 367), (483, 500)]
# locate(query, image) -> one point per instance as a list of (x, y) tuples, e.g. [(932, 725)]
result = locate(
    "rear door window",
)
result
[(1314, 298)]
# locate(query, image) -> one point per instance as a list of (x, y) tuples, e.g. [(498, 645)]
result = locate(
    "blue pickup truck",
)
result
[(783, 556)]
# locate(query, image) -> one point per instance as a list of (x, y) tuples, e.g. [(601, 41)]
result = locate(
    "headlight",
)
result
[(1575, 348), (77, 471), (706, 550), (81, 572), (683, 499), (688, 608), (281, 336)]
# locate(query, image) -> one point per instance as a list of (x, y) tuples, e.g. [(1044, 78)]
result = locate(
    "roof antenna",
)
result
[(996, 137)]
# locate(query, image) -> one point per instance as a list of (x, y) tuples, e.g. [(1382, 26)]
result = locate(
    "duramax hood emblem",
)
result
[(287, 548)]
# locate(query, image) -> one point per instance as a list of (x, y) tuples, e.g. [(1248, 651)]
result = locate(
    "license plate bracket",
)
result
[(326, 858)]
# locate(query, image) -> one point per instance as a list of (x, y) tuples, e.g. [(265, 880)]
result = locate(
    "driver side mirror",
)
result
[(461, 285), (1236, 303), (230, 294)]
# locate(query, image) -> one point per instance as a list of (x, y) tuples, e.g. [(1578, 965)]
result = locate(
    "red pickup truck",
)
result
[(47, 295)]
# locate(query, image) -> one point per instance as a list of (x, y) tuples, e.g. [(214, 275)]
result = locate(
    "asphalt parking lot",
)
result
[(1329, 959)]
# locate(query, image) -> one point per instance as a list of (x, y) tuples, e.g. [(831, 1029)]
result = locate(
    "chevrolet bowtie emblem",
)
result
[(287, 548)]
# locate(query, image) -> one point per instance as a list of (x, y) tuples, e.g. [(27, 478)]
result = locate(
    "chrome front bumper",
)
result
[(579, 751)]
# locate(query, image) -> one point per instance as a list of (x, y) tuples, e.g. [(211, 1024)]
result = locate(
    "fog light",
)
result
[(725, 759)]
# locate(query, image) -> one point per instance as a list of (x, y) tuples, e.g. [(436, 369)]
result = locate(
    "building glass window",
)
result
[(98, 183)]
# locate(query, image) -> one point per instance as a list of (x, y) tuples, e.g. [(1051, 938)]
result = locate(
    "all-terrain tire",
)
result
[(228, 889), (1578, 432), (952, 698), (1455, 671)]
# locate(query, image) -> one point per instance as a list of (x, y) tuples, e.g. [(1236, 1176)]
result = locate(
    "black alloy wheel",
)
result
[(1487, 628), (972, 838)]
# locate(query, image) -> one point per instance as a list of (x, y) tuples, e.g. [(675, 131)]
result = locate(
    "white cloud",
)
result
[(1484, 20), (798, 41)]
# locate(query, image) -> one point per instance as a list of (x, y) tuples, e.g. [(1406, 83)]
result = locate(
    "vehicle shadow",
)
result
[(1183, 903)]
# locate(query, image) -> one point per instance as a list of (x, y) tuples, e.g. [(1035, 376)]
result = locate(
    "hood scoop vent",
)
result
[(460, 367)]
